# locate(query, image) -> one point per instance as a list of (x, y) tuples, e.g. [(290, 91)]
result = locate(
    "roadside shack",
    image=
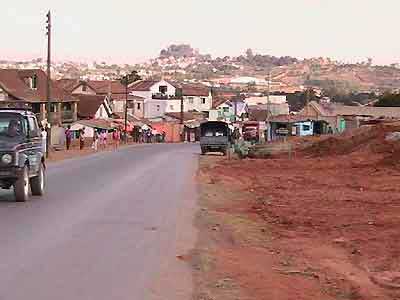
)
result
[(295, 125)]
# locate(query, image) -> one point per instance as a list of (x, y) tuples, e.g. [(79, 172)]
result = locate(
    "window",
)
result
[(11, 127), (191, 100), (203, 100), (306, 127), (138, 106), (33, 128), (163, 89), (84, 87), (34, 82), (225, 109), (171, 107)]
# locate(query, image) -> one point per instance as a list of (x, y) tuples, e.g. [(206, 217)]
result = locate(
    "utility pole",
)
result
[(268, 93), (126, 111), (48, 86), (180, 94), (235, 108)]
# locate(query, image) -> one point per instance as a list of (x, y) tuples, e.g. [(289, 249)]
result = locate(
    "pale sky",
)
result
[(132, 30)]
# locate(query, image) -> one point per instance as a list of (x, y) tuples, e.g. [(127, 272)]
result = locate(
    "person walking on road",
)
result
[(68, 136), (103, 139), (117, 138)]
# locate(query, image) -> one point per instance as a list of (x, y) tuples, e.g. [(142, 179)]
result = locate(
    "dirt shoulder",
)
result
[(307, 228), (76, 152)]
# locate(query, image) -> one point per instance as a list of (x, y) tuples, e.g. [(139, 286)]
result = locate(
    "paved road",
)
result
[(109, 227)]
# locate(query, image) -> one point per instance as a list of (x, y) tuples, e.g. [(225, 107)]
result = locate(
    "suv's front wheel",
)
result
[(21, 186), (38, 182)]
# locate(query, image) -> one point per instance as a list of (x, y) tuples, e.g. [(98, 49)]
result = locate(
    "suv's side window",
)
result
[(33, 128)]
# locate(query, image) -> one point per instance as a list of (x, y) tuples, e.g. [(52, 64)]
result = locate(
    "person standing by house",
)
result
[(95, 140), (68, 136), (163, 135), (44, 139), (82, 138)]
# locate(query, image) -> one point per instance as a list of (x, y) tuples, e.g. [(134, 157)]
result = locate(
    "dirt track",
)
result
[(309, 228)]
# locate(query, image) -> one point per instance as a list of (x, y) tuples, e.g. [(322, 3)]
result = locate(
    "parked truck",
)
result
[(215, 136)]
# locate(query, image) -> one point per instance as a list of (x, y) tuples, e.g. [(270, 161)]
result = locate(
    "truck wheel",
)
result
[(21, 186), (38, 183), (224, 151)]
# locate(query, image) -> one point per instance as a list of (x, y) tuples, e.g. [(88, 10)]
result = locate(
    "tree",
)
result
[(249, 53), (130, 78), (298, 100)]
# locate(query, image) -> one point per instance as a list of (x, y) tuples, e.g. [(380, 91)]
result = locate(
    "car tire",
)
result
[(38, 183), (203, 151), (21, 186)]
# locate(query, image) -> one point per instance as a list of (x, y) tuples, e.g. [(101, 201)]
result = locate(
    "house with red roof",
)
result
[(114, 91), (27, 88)]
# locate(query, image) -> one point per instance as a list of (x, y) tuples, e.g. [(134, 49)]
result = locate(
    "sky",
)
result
[(129, 31)]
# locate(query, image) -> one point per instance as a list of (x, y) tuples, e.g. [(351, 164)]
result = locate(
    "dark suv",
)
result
[(22, 159)]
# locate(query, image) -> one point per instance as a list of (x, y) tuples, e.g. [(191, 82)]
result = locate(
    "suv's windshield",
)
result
[(11, 126)]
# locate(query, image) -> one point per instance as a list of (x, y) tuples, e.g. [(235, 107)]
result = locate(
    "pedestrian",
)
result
[(68, 136), (163, 135), (103, 139), (95, 140), (44, 140), (82, 138), (149, 136), (116, 138)]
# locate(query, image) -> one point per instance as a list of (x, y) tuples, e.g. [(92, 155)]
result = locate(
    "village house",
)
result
[(27, 88), (93, 107), (113, 90), (160, 97), (155, 96), (224, 110), (196, 98), (342, 117)]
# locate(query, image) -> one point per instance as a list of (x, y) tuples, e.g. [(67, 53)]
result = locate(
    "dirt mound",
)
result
[(367, 139), (393, 159)]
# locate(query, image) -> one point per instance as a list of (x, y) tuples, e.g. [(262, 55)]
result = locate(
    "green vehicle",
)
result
[(215, 136)]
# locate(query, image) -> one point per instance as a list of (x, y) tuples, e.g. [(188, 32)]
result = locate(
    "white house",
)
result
[(155, 95), (162, 97)]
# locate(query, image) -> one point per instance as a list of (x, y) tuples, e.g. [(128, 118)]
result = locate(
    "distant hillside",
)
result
[(184, 62)]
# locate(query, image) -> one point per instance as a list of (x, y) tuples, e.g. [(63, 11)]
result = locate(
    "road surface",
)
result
[(110, 227)]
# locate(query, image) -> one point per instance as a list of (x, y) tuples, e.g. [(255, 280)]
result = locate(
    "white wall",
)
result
[(101, 113), (174, 105), (154, 108), (197, 104), (118, 105), (89, 131)]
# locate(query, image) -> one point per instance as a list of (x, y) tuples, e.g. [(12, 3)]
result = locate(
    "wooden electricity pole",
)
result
[(48, 86)]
